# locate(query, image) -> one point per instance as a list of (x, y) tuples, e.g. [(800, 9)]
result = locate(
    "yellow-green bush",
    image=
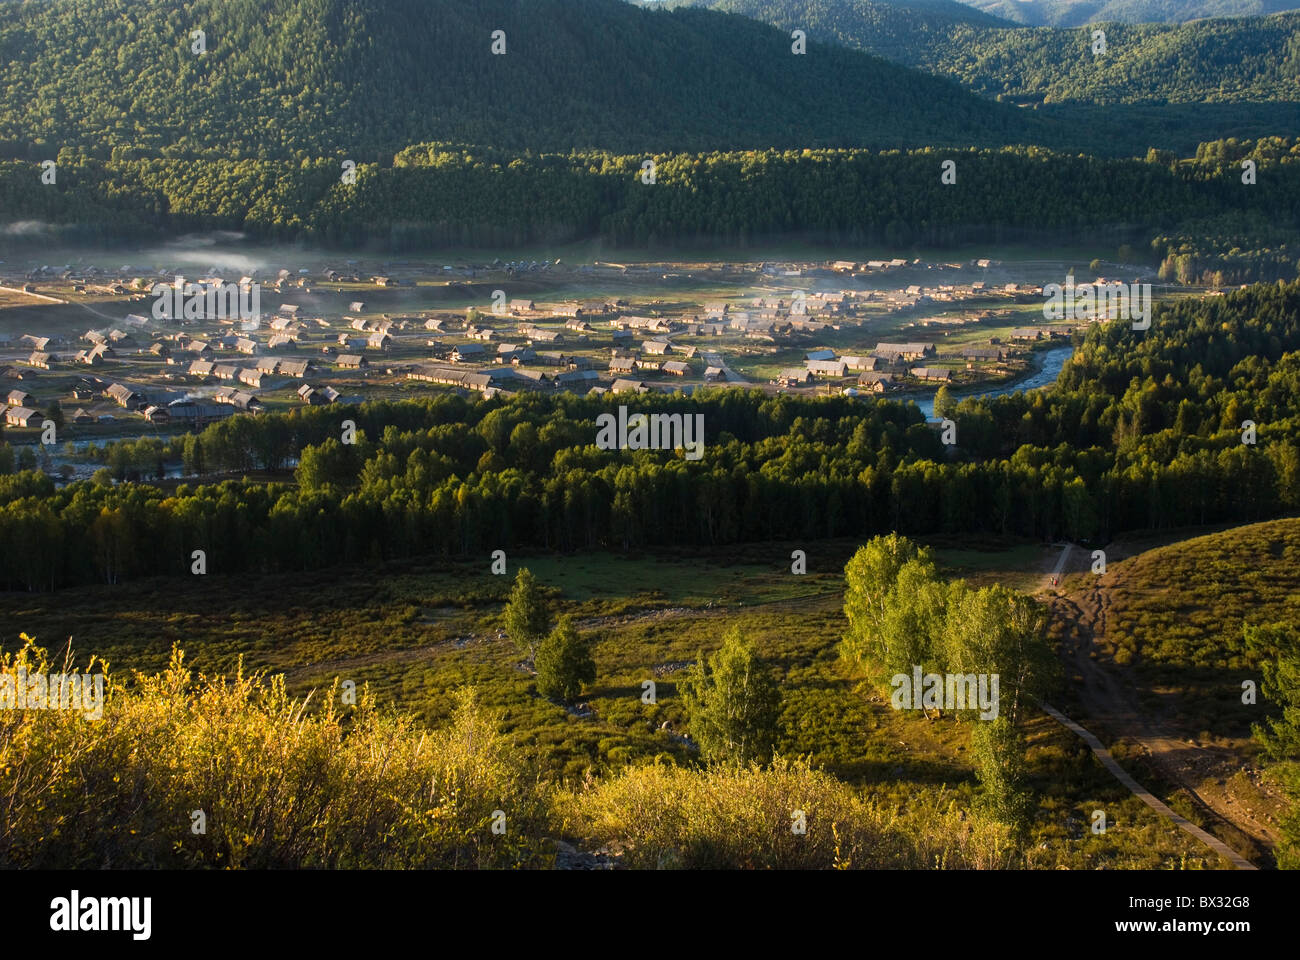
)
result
[(665, 817), (280, 785)]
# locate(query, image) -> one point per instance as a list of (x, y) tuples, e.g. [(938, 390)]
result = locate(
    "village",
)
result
[(342, 334)]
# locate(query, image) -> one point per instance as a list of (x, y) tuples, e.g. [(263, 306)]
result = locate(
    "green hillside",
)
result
[(364, 78), (1212, 61), (952, 10), (251, 134), (296, 79), (1183, 605)]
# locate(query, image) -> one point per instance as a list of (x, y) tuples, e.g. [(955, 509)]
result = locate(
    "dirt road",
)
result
[(1145, 795), (1111, 702)]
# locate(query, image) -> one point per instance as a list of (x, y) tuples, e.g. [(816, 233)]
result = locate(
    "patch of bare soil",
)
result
[(343, 665), (648, 616)]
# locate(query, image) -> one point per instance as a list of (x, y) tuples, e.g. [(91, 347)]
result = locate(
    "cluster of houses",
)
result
[(256, 375), (128, 279), (1042, 333), (778, 316), (237, 378), (20, 406), (853, 266), (519, 345), (315, 396), (656, 354), (585, 309), (659, 355), (43, 355), (156, 406), (377, 333), (103, 345), (196, 411), (174, 349), (879, 371), (572, 373), (493, 359), (769, 318), (492, 380), (20, 410), (886, 366)]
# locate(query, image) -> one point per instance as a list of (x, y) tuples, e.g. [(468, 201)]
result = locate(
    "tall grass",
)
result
[(311, 783), (279, 785), (733, 817)]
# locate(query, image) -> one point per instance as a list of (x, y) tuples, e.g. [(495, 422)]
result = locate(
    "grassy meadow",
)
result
[(1173, 614), (416, 635)]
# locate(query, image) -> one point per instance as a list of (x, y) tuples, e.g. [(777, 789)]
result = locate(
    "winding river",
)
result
[(1051, 361)]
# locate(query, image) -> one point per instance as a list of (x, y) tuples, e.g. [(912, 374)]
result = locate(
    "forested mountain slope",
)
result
[(443, 194), (1211, 61), (899, 31), (364, 78)]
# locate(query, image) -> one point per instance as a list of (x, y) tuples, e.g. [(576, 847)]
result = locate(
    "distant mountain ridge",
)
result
[(1074, 13), (1232, 60), (898, 31), (932, 12)]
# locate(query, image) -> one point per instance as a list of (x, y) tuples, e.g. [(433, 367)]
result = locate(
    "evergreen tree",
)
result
[(527, 615), (564, 662), (945, 405), (55, 412)]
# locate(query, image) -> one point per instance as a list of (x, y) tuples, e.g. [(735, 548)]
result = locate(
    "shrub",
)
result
[(732, 816), (280, 786), (999, 750)]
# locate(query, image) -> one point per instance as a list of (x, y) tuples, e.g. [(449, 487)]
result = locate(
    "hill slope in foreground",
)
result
[(1156, 651), (1181, 607)]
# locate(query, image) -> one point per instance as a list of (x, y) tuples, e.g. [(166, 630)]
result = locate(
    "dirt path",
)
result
[(35, 296), (1145, 795), (1113, 702)]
